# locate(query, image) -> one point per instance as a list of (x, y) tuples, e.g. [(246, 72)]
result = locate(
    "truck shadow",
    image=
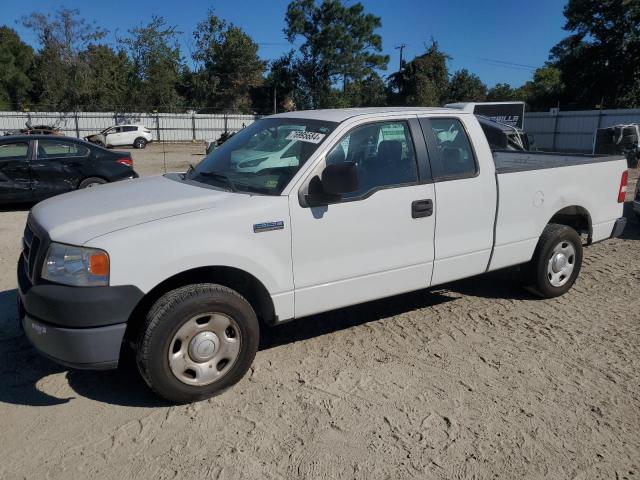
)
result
[(632, 230), (17, 207), (24, 372)]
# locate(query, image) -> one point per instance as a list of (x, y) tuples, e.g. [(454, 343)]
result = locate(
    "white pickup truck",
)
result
[(373, 203)]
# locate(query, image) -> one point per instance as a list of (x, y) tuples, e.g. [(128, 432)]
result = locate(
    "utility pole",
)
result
[(275, 100), (401, 47)]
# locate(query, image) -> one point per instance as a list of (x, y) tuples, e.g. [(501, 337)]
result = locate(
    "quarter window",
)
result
[(454, 148), (14, 151), (58, 149), (383, 154)]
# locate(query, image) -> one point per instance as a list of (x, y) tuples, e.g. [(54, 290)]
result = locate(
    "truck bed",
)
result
[(510, 161), (535, 186)]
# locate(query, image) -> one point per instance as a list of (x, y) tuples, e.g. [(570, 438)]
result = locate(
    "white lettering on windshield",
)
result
[(311, 137)]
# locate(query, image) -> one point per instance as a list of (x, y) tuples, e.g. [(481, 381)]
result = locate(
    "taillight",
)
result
[(622, 192), (125, 161)]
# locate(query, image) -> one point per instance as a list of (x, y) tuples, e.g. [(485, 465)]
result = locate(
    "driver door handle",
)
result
[(421, 208)]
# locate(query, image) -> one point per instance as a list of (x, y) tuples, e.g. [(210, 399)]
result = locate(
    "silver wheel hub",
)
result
[(561, 264), (204, 348)]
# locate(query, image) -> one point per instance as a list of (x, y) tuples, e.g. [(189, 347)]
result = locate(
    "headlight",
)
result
[(77, 266)]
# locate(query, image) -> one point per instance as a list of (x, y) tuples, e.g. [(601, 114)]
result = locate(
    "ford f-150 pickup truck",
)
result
[(366, 204)]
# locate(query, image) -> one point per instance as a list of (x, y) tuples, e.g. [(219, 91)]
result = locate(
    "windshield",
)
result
[(263, 157)]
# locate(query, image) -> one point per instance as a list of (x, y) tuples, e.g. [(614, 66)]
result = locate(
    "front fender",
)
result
[(144, 255)]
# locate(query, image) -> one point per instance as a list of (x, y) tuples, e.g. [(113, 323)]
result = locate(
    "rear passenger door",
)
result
[(466, 200), (129, 134), (57, 166), (14, 171)]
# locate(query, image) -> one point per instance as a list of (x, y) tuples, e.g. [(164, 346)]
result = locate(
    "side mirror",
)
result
[(335, 180), (340, 178)]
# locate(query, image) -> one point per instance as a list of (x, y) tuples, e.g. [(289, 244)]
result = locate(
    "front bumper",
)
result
[(81, 327), (85, 348)]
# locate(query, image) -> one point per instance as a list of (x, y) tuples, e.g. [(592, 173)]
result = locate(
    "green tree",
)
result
[(340, 43), (466, 87), (280, 86), (545, 90), (157, 65), (59, 80), (424, 81), (368, 92), (598, 60), (503, 92), (108, 77), (229, 63), (16, 59)]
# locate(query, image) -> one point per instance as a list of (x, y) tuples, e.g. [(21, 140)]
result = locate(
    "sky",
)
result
[(501, 41)]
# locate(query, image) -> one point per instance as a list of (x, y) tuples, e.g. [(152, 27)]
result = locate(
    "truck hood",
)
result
[(79, 216)]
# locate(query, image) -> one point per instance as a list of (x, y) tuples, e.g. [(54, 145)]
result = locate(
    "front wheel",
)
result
[(197, 341), (556, 262)]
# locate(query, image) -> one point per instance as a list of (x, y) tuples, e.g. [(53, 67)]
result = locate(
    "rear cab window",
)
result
[(450, 149)]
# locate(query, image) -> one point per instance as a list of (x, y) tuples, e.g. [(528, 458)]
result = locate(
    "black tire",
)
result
[(536, 273), (92, 182), (140, 142), (169, 314)]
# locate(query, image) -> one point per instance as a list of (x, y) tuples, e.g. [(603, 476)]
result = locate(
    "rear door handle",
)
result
[(421, 208)]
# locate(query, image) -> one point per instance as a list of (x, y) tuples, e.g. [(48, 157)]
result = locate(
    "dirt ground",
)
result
[(476, 379)]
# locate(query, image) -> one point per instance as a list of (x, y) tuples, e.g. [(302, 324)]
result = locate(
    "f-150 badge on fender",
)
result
[(268, 226)]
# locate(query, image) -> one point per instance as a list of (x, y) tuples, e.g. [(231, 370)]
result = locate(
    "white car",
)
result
[(377, 202), (122, 135)]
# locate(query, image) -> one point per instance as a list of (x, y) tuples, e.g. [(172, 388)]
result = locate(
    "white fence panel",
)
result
[(168, 127), (573, 131)]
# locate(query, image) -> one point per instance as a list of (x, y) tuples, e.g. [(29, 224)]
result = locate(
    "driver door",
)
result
[(114, 137), (15, 181), (376, 241)]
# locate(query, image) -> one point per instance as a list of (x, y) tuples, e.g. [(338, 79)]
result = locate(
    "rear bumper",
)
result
[(618, 227), (636, 206)]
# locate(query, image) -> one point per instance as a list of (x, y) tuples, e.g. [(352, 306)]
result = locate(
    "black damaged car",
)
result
[(35, 167)]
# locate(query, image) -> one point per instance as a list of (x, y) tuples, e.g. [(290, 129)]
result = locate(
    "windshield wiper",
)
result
[(220, 176)]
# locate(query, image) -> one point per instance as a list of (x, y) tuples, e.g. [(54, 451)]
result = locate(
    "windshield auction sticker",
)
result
[(311, 137)]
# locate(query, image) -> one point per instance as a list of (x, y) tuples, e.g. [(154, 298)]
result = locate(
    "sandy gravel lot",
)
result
[(476, 379)]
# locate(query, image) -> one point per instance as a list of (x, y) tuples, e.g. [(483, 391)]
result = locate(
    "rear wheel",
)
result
[(197, 341), (92, 182), (556, 262), (140, 142)]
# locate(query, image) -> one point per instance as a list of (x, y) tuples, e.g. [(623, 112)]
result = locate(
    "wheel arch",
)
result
[(576, 217), (246, 284)]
